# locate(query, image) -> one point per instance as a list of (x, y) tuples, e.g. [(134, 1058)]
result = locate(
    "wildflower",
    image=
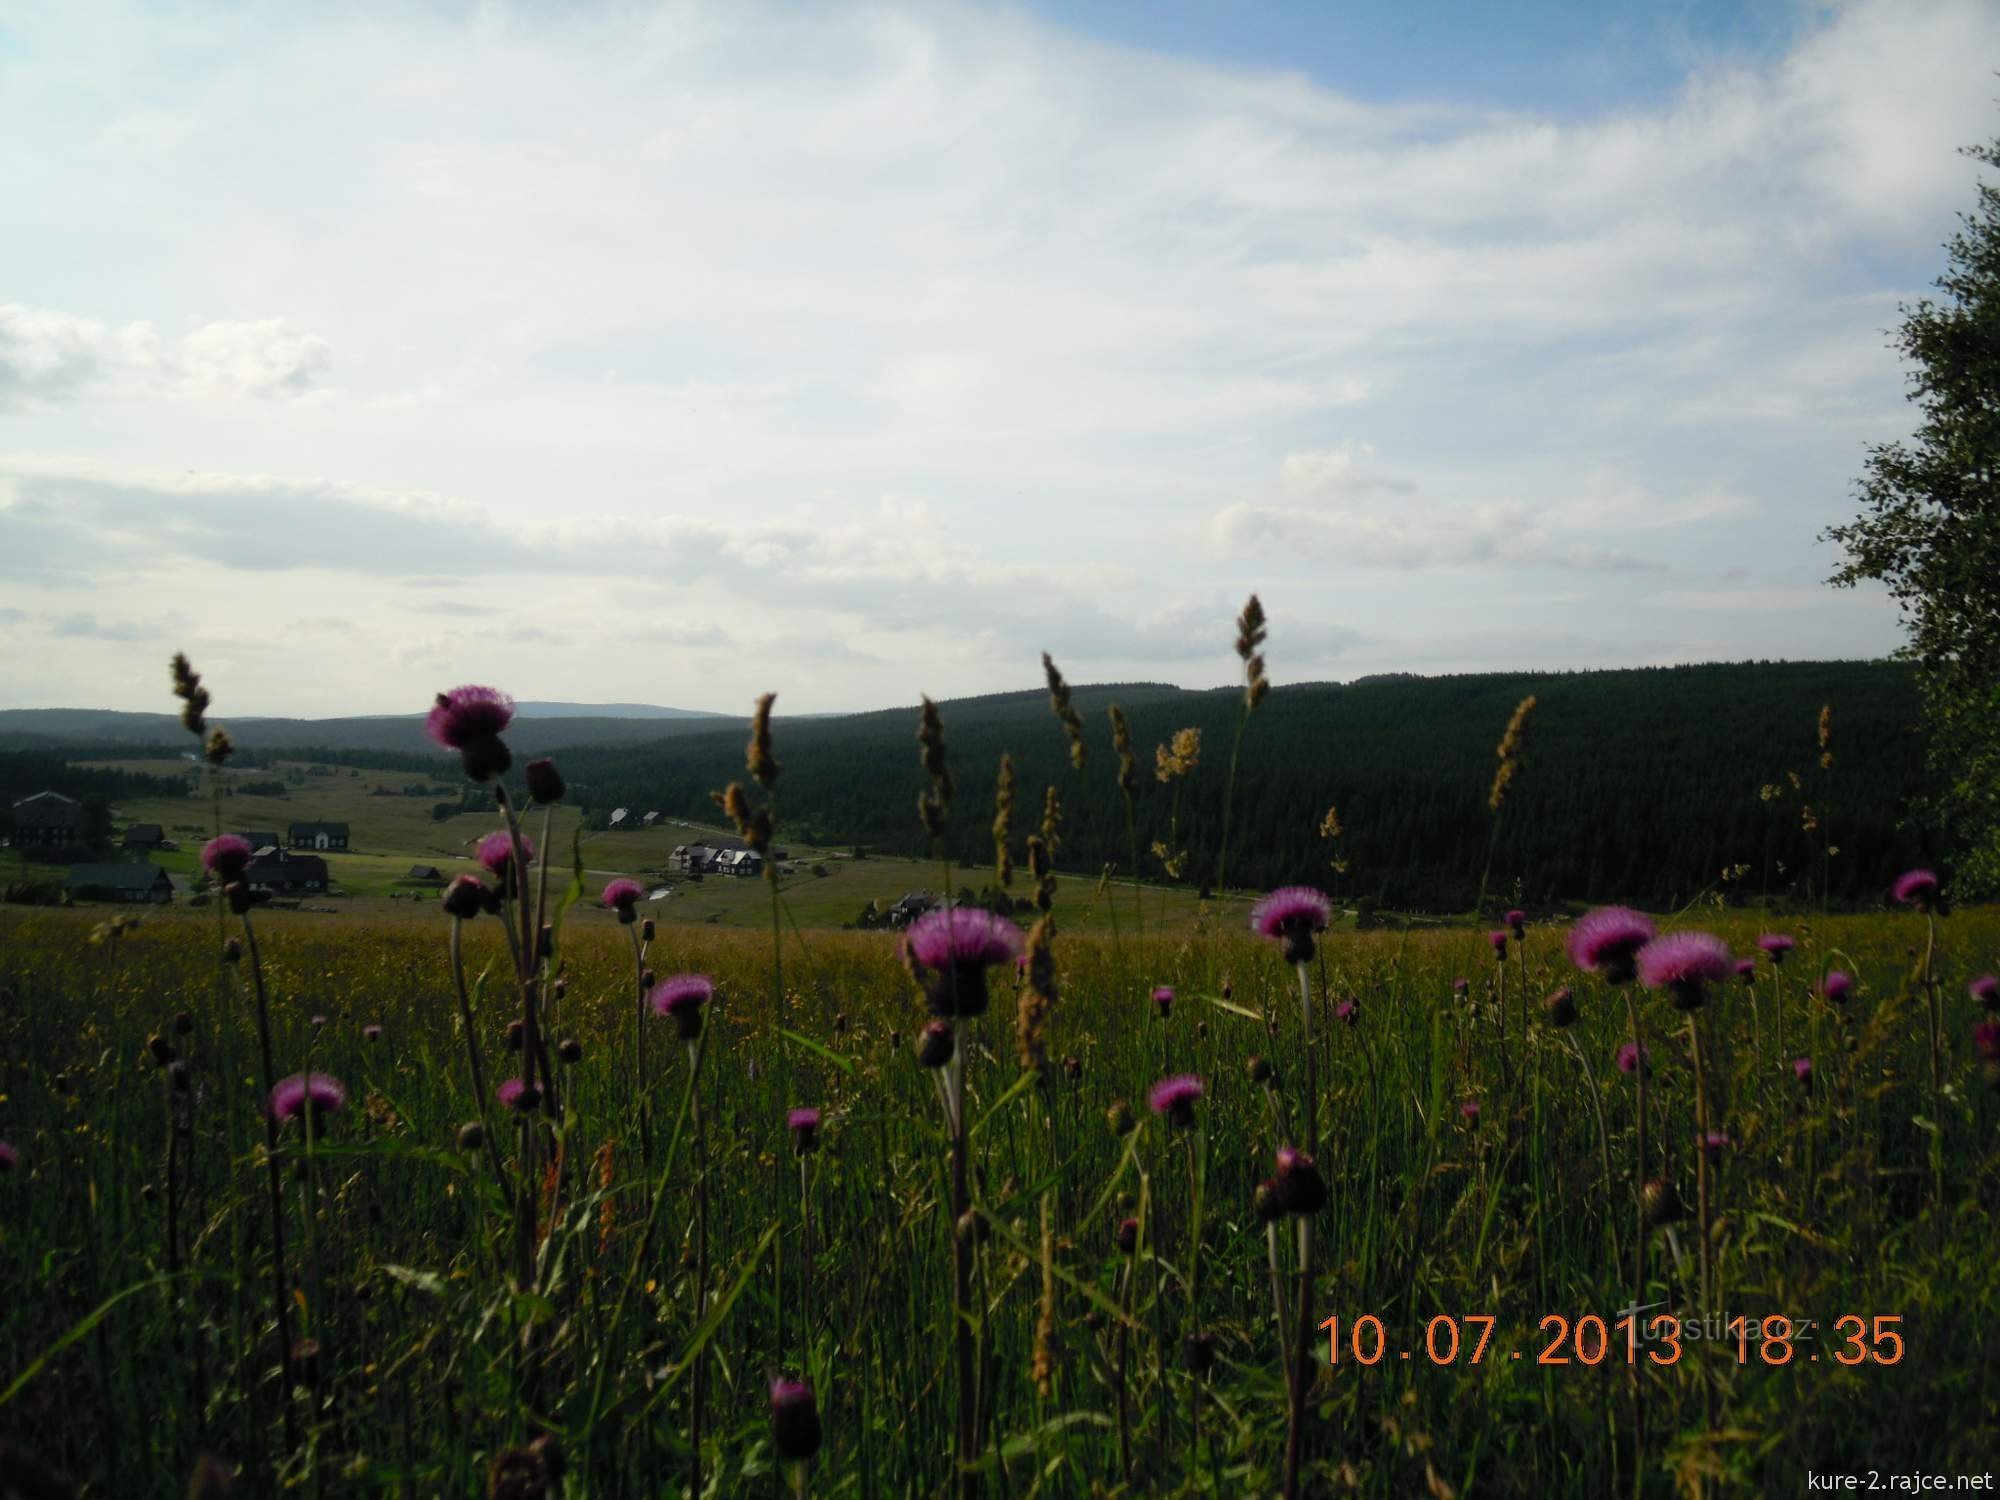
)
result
[(1174, 1097), (1662, 1203), (623, 896), (1348, 1012), (682, 997), (1684, 964), (1802, 1069), (1460, 985), (516, 1032), (935, 1045), (570, 1050), (162, 1049), (322, 1093), (1059, 704), (1837, 986), (1121, 741), (950, 952), (1498, 938), (1517, 923), (183, 1022), (1631, 1055), (1508, 752), (318, 1022), (1178, 759), (516, 1094), (1916, 888), (1249, 636), (10, 1159), (1986, 1040), (545, 783), (496, 851), (188, 688), (1776, 945), (1607, 940), (372, 1032), (471, 1136), (934, 805), (1198, 1353), (1003, 822), (1126, 1236), (1746, 969), (1713, 1143), (1260, 1070), (1291, 915), (1163, 1000), (469, 720), (522, 1473), (804, 1126), (757, 758), (794, 1420), (225, 857), (1300, 1188), (1559, 1006), (1118, 1119), (467, 896), (1468, 1111), (1267, 1201), (1986, 990)]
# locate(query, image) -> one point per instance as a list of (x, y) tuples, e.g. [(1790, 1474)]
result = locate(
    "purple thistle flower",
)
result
[(1291, 915), (1163, 1000), (795, 1431), (1986, 1040), (1837, 986), (1713, 1143), (496, 851), (1986, 990), (514, 1094), (1517, 923), (1498, 938), (467, 896), (1348, 1011), (1607, 940), (10, 1159), (1916, 888), (1174, 1097), (372, 1031), (1299, 1188), (1468, 1111), (1746, 968), (1776, 945), (322, 1093), (1630, 1055), (1460, 986), (1684, 964), (1802, 1069), (804, 1126), (467, 714), (623, 895), (936, 1044), (681, 997), (225, 857), (954, 948)]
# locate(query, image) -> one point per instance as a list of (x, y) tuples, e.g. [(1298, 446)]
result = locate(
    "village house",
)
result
[(146, 836), (48, 820), (134, 882), (260, 839), (739, 862), (424, 875), (286, 874), (319, 836)]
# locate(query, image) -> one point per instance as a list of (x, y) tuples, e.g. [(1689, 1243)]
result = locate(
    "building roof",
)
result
[(424, 872), (307, 830), (46, 810), (285, 869), (145, 833), (126, 877)]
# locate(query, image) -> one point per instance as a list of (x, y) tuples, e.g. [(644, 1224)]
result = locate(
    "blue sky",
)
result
[(674, 351)]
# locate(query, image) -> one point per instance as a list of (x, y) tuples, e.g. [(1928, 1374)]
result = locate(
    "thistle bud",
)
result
[(464, 898), (795, 1430), (178, 1073), (1268, 1201), (305, 1361), (1662, 1203), (973, 1228), (545, 783), (936, 1045), (1198, 1353), (514, 1034), (162, 1049), (1260, 1070), (1127, 1236), (1559, 1007), (471, 1135), (646, 930), (570, 1050), (1120, 1118), (1301, 1188), (1072, 1067), (183, 1023)]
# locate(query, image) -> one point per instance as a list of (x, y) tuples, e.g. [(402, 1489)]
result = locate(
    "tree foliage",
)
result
[(1929, 529)]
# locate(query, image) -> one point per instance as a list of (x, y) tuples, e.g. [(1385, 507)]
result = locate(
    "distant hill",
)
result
[(1640, 784)]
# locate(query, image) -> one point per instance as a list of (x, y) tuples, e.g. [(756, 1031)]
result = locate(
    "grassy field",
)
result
[(670, 1261)]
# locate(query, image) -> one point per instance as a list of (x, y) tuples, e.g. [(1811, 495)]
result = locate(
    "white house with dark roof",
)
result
[(48, 820), (318, 836)]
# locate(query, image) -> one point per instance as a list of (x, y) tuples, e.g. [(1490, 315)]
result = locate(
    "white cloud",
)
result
[(51, 356)]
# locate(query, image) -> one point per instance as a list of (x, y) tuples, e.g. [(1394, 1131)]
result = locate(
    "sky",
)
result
[(675, 352)]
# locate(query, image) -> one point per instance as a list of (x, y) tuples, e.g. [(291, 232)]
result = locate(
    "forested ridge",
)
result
[(1641, 784)]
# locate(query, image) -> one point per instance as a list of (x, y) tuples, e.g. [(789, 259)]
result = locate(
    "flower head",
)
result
[(1560, 1006), (1713, 1143), (1802, 1069), (515, 1094), (10, 1159), (794, 1420), (1291, 915), (469, 720), (1986, 990), (1607, 940), (1163, 1000), (1776, 945), (225, 857), (1986, 1040), (681, 998), (1631, 1055), (496, 851), (1298, 1188), (1916, 888), (372, 1031), (1746, 968), (1517, 923), (951, 950), (935, 1044), (1174, 1097), (1684, 964), (322, 1093), (622, 896), (467, 896), (1837, 986), (804, 1126), (1468, 1111), (1460, 985), (1498, 938), (1348, 1012)]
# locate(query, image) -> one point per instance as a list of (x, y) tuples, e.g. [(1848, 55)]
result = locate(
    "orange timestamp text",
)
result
[(1661, 1339)]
